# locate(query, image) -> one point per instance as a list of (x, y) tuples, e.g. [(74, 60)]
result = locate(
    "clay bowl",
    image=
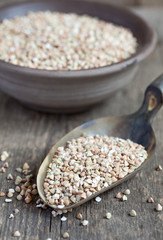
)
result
[(72, 91)]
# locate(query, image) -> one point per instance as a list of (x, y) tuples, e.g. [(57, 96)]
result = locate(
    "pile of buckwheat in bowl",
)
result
[(60, 41), (88, 164)]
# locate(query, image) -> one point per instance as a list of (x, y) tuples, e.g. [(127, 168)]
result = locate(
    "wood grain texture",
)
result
[(149, 2), (28, 136), (121, 2)]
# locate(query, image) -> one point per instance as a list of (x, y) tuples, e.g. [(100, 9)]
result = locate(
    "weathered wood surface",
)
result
[(28, 135), (121, 2)]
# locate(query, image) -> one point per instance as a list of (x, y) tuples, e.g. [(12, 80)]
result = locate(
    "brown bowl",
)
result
[(71, 91)]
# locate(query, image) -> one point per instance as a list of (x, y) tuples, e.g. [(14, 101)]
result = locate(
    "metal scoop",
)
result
[(136, 127)]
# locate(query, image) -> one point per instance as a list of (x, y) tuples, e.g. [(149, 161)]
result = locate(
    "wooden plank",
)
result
[(118, 2), (149, 2), (154, 17), (121, 2), (28, 135)]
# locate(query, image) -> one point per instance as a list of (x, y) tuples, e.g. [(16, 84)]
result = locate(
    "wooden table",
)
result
[(28, 136)]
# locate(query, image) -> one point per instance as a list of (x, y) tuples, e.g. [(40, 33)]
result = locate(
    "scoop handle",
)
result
[(153, 99)]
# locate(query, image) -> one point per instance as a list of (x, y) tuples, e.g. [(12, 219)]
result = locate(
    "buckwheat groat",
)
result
[(59, 41), (88, 164)]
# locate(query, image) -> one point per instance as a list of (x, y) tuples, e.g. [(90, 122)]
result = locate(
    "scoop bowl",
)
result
[(136, 127)]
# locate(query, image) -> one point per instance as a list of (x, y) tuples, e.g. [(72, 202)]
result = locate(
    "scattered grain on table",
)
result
[(159, 168), (133, 213), (17, 234), (158, 207), (66, 235), (127, 192), (4, 156), (84, 222), (119, 195), (108, 215), (79, 216), (150, 200)]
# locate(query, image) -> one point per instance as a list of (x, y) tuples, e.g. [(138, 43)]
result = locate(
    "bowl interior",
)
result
[(111, 13)]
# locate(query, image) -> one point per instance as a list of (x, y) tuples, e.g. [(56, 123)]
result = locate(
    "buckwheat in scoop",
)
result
[(88, 164)]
